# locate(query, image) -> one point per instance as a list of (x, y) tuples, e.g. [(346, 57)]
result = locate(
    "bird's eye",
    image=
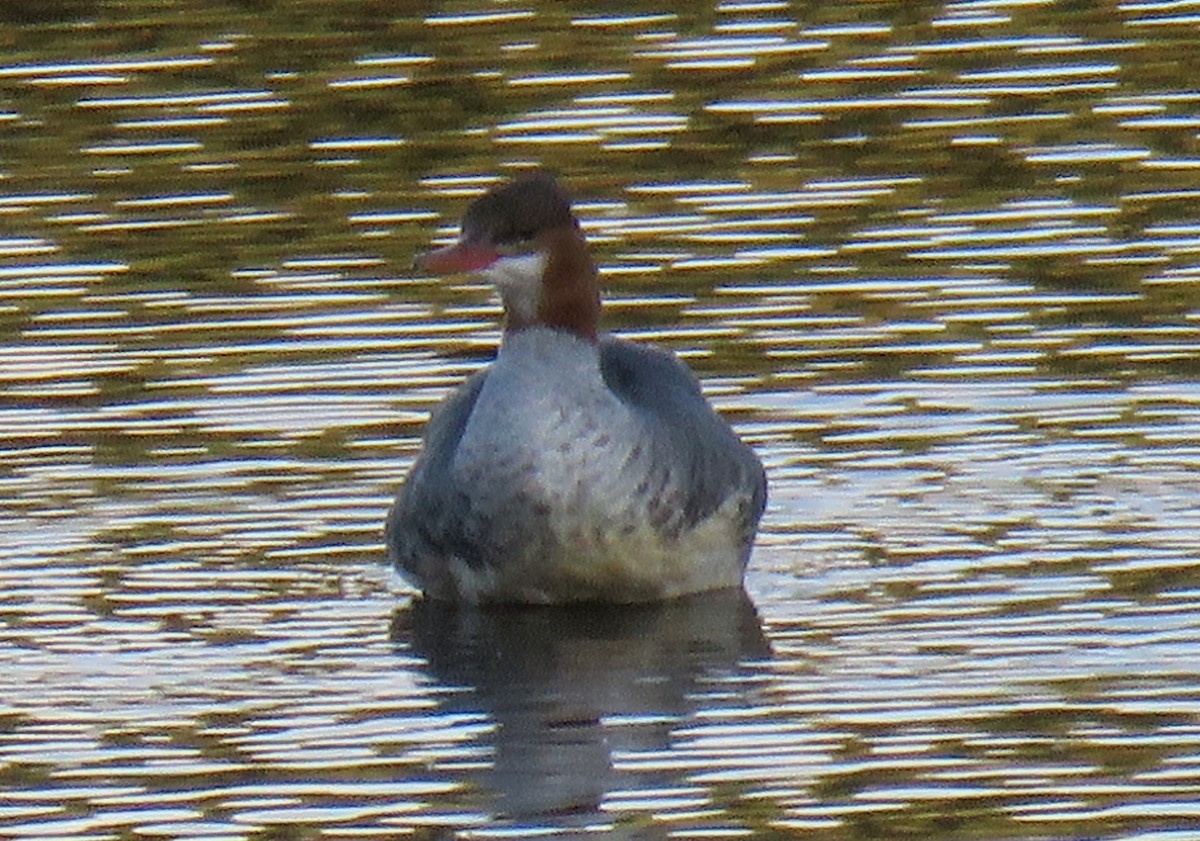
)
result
[(518, 241)]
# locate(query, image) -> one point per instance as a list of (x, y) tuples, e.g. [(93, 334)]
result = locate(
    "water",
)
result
[(936, 261)]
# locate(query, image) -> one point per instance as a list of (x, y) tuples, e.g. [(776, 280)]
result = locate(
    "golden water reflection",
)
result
[(936, 261)]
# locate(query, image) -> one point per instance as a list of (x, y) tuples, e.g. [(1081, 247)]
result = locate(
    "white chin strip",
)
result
[(519, 279)]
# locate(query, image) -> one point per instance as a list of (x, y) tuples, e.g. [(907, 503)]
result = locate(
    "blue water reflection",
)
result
[(572, 690)]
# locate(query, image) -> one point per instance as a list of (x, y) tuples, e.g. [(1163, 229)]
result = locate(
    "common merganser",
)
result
[(577, 466)]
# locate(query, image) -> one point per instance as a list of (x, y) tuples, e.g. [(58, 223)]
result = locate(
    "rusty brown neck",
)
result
[(570, 294)]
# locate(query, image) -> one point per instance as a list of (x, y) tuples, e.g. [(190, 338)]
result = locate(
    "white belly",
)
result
[(556, 468)]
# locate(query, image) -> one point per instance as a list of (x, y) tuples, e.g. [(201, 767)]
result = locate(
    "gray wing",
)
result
[(713, 462), (429, 519)]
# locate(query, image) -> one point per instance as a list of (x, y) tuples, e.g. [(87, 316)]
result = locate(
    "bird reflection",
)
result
[(569, 688)]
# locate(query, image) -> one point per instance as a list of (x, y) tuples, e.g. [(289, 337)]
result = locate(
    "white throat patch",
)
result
[(519, 279)]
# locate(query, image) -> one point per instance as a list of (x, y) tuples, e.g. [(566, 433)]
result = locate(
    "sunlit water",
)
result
[(938, 263)]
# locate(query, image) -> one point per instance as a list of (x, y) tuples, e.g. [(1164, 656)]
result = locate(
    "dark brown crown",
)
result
[(517, 211)]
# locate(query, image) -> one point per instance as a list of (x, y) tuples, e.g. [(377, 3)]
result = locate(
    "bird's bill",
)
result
[(458, 258)]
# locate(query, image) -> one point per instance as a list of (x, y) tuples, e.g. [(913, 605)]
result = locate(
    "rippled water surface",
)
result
[(939, 263)]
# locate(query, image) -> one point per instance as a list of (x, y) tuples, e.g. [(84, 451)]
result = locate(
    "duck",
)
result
[(576, 466)]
